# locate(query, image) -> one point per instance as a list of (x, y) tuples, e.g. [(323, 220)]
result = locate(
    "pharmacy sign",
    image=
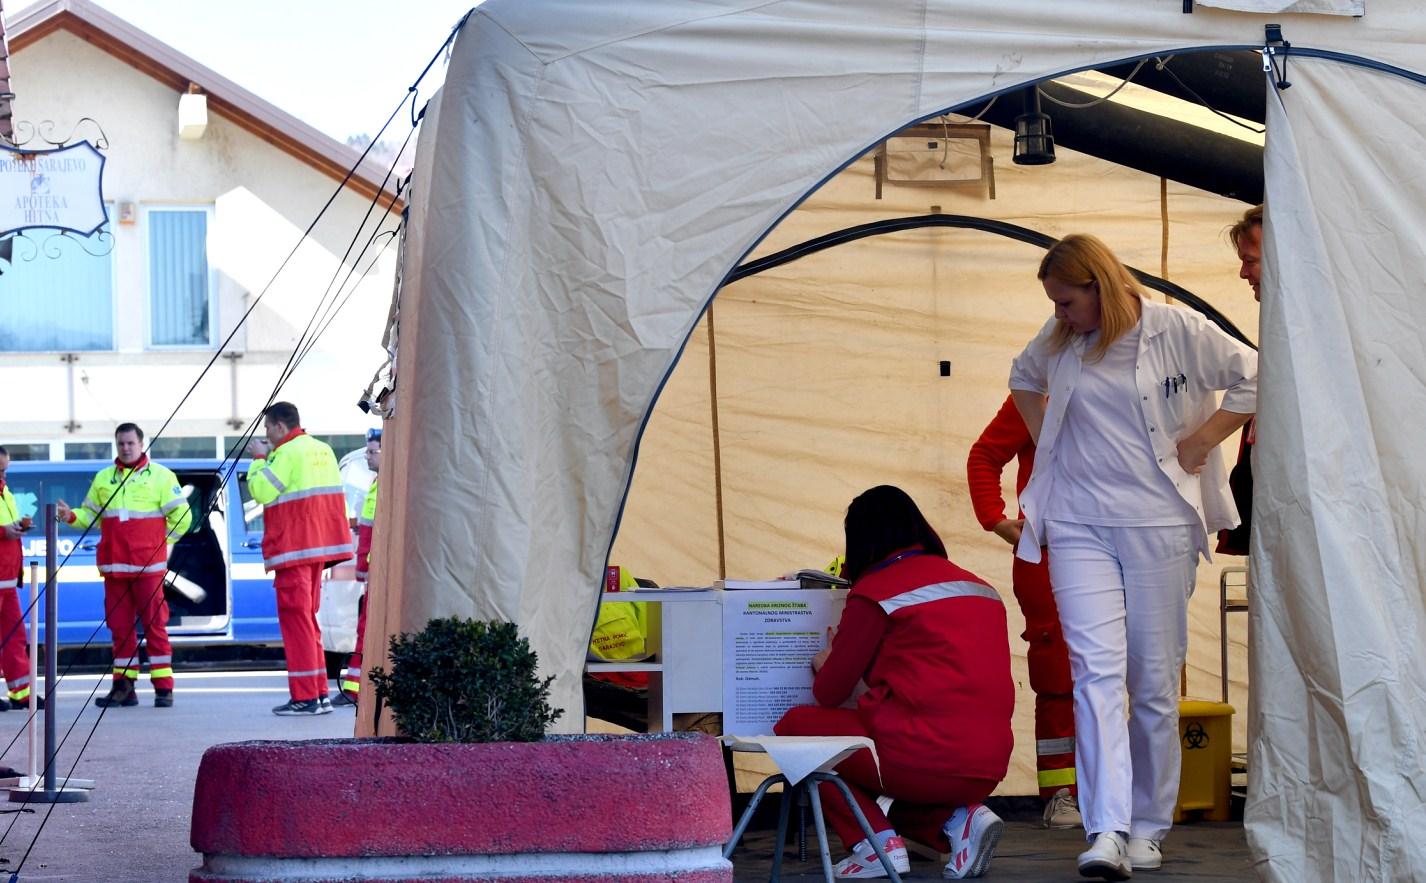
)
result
[(60, 189)]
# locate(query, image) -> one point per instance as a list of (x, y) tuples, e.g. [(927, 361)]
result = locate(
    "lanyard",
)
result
[(882, 565)]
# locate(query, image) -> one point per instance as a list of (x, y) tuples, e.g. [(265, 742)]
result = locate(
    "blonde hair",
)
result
[(1253, 217), (1081, 259)]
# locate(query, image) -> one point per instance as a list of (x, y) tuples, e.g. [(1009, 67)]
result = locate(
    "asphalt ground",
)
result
[(143, 761), (1201, 852)]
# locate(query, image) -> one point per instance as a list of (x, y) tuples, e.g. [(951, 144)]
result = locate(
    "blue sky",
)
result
[(339, 65)]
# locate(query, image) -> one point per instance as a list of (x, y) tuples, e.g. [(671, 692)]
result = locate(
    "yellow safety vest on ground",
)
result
[(621, 630)]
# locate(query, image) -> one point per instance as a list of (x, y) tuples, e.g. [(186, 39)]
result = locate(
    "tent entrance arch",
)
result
[(816, 379)]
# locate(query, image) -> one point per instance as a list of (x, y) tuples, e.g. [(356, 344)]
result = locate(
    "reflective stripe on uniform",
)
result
[(1055, 778), (127, 514), (1055, 746), (173, 504), (939, 592), (160, 660), (271, 477), (160, 672), (305, 674), (160, 567), (351, 686), (9, 584), (319, 552), (353, 673), (309, 492), (365, 522), (17, 683), (21, 694)]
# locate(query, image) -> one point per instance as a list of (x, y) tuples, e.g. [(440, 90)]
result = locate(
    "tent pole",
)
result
[(717, 448), (1164, 230)]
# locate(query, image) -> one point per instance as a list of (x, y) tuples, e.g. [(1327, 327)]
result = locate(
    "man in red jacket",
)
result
[(1003, 440), (296, 479)]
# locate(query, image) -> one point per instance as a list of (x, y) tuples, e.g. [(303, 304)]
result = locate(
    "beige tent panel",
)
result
[(828, 380)]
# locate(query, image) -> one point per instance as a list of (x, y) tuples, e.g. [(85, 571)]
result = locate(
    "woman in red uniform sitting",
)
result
[(927, 640)]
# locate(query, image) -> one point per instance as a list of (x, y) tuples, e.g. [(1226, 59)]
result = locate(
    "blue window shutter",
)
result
[(57, 297), (179, 313)]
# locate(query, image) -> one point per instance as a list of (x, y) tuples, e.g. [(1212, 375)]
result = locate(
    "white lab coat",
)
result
[(1175, 344)]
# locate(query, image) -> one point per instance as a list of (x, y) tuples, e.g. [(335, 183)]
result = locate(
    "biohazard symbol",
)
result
[(1194, 736)]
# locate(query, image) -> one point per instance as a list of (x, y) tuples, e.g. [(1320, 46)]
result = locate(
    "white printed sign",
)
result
[(61, 189), (769, 639)]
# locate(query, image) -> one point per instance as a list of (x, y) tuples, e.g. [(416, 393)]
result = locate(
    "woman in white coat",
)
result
[(1127, 487)]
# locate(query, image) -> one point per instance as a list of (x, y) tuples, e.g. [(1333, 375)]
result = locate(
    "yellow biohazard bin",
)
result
[(1205, 731)]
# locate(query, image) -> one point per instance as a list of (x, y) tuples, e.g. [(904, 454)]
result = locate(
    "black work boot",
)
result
[(162, 698), (122, 693)]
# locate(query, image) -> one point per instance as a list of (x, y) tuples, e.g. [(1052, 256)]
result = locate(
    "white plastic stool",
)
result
[(804, 762)]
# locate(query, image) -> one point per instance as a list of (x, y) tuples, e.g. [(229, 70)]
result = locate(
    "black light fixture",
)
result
[(1034, 138)]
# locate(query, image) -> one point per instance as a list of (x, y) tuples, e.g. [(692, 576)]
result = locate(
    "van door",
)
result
[(196, 585), (254, 603), (80, 587)]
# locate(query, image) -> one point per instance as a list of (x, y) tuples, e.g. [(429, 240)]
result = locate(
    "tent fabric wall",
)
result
[(598, 168), (1340, 564), (828, 381)]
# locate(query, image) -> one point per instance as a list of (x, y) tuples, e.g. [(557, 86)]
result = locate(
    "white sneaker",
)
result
[(863, 864), (974, 832), (1062, 810), (1145, 854), (1107, 858)]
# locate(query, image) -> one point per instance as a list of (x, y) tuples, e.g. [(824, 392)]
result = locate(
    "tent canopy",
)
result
[(592, 171)]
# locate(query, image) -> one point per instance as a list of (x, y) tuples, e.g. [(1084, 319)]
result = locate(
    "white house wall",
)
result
[(263, 198)]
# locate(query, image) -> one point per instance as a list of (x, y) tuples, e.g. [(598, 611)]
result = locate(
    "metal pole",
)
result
[(34, 769), (51, 642), (51, 793)]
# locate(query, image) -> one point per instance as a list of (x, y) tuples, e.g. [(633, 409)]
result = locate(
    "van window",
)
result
[(33, 490), (252, 509)]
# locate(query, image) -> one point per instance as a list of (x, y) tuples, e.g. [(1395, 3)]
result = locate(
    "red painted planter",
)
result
[(592, 808)]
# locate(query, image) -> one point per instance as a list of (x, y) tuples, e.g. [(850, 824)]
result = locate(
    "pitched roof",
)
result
[(135, 47)]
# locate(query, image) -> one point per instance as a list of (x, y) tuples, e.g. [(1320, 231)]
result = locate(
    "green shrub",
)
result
[(461, 680)]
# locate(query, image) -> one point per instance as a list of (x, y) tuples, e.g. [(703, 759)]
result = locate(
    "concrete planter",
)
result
[(636, 809)]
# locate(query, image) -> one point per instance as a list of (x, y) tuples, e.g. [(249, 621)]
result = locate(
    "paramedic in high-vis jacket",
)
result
[(295, 478), (141, 510), (350, 683), (14, 652)]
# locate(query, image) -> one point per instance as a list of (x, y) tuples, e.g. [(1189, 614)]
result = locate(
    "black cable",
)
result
[(1163, 65), (218, 495), (226, 473)]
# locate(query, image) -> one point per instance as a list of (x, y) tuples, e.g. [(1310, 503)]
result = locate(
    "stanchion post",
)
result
[(34, 769), (51, 642), (52, 793)]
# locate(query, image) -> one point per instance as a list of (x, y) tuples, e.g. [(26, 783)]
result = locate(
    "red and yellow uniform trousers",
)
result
[(351, 678), (304, 531), (14, 654), (1004, 439), (141, 510)]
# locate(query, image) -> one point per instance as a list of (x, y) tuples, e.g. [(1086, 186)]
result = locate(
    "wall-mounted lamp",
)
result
[(1034, 137), (192, 113)]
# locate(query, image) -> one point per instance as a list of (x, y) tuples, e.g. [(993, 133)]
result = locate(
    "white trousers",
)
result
[(1122, 594)]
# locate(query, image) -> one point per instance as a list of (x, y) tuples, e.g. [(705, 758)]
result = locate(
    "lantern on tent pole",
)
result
[(1034, 137)]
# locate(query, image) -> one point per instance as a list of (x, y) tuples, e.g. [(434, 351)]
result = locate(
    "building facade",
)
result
[(176, 310)]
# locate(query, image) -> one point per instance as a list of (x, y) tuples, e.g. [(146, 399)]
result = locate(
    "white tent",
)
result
[(592, 171)]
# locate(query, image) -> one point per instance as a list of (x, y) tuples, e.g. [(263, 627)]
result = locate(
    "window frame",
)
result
[(148, 210)]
